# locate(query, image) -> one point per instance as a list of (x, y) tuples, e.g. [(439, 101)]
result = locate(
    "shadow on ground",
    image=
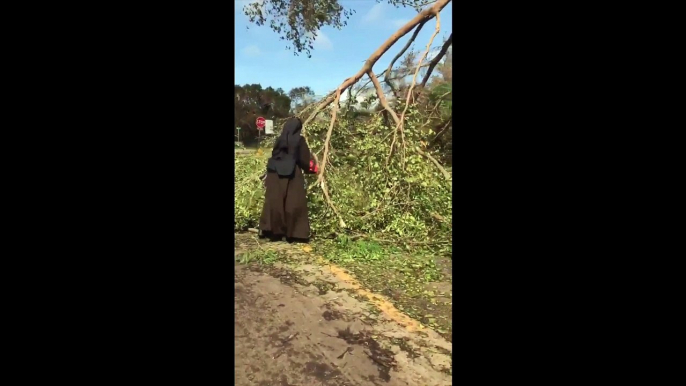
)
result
[(299, 321)]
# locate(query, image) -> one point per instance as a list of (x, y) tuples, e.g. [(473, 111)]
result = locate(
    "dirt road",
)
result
[(312, 324)]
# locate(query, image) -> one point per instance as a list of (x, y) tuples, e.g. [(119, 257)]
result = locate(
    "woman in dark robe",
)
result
[(285, 203)]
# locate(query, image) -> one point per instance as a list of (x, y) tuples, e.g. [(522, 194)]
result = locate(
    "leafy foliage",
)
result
[(298, 21), (390, 202), (249, 189)]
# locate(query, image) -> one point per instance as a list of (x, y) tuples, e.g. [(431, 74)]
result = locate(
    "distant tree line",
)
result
[(252, 101)]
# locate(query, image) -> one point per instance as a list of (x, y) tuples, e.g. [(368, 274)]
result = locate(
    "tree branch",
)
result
[(390, 66), (318, 109), (325, 159), (445, 127), (413, 5), (384, 103), (382, 96), (423, 16), (414, 81), (437, 59), (438, 165), (327, 141)]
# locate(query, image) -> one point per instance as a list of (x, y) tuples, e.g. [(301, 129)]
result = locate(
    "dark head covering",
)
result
[(286, 148), (289, 139)]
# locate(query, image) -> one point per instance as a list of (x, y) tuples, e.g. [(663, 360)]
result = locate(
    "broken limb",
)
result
[(438, 165), (423, 16), (414, 82), (390, 66), (437, 59)]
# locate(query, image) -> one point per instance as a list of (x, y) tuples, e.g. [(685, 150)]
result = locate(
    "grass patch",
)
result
[(378, 259), (258, 256), (404, 277)]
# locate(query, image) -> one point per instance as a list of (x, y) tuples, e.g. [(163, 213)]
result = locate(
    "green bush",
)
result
[(249, 189)]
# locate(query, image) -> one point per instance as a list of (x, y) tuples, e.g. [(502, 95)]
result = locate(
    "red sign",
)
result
[(260, 123)]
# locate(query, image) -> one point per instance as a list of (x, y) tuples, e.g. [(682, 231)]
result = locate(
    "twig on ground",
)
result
[(347, 350)]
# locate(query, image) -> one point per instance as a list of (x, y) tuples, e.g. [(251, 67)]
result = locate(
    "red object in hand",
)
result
[(313, 168)]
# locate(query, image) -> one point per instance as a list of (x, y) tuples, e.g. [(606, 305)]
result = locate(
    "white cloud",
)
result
[(322, 42), (252, 50), (374, 13), (397, 23)]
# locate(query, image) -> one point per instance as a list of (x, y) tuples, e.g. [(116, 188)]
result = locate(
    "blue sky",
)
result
[(261, 57)]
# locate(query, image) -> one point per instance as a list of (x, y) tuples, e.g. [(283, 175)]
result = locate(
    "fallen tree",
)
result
[(391, 202), (381, 175), (417, 22)]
